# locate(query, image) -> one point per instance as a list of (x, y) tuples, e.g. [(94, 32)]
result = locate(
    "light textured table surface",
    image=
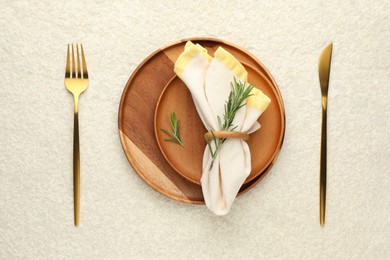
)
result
[(122, 217)]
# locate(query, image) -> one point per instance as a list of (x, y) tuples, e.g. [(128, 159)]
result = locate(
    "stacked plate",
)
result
[(153, 91)]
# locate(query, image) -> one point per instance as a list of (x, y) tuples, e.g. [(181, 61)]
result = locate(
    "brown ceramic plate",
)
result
[(187, 161), (136, 119)]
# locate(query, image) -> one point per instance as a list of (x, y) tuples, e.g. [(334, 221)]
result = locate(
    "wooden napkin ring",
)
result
[(227, 134)]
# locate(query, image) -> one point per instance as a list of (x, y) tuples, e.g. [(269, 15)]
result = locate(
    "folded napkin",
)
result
[(208, 80)]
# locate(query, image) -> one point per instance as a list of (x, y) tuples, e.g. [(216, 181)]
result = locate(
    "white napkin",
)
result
[(208, 80)]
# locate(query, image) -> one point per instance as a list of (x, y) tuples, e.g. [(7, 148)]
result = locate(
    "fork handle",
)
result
[(323, 162), (76, 164)]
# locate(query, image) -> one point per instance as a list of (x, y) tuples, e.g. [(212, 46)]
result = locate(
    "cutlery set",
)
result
[(76, 82)]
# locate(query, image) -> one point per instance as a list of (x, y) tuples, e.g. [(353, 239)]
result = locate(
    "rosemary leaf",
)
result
[(175, 125)]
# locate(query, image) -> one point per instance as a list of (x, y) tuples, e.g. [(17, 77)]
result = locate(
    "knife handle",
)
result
[(323, 162)]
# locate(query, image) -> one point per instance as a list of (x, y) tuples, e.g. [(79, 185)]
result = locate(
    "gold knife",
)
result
[(324, 72)]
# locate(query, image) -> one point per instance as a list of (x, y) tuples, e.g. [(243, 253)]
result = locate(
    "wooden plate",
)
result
[(187, 160), (136, 119)]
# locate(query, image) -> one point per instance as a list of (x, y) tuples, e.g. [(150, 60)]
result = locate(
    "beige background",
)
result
[(123, 218)]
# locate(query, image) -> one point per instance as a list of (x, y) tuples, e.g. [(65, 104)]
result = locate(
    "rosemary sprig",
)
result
[(238, 94), (175, 125)]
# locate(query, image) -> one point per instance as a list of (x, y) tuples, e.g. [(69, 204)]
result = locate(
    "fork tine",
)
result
[(85, 71), (67, 68), (73, 64), (78, 62)]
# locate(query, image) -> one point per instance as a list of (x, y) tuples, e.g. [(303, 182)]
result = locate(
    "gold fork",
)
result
[(76, 82)]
